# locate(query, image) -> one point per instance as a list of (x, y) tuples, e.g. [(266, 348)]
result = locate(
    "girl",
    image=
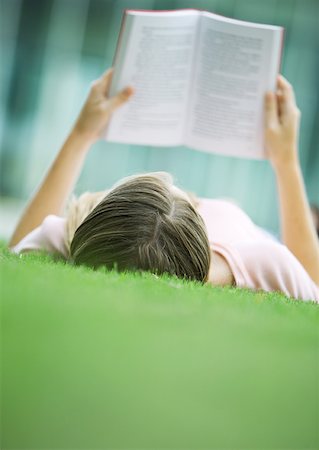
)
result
[(146, 223)]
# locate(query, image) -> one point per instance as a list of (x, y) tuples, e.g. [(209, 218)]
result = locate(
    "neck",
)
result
[(220, 273)]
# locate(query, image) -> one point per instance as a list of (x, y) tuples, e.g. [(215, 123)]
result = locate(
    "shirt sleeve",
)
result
[(272, 267), (49, 237)]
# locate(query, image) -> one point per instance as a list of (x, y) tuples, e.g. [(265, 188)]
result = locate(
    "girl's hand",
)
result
[(282, 118), (98, 108)]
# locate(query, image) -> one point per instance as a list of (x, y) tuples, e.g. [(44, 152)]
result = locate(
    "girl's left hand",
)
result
[(98, 108)]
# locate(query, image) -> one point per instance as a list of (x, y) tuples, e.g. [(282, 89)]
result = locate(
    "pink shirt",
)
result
[(256, 259)]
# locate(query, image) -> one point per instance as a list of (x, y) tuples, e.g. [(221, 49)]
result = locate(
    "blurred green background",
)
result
[(52, 49)]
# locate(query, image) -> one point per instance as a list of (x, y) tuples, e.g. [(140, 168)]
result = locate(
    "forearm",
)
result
[(63, 173), (297, 228), (51, 196)]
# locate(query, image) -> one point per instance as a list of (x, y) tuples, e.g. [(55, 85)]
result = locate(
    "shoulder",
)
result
[(271, 266), (54, 224), (49, 237), (226, 222)]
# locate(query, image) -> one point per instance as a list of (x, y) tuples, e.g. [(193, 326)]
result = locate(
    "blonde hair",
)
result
[(139, 225), (78, 209)]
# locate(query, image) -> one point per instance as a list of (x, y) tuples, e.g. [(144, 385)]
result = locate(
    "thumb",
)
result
[(271, 114), (120, 98)]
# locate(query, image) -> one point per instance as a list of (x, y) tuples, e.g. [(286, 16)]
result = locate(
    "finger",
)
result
[(106, 79), (271, 110), (280, 104), (283, 83), (287, 92), (121, 98), (101, 85)]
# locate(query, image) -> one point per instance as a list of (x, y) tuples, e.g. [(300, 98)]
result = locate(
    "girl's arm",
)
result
[(282, 119), (61, 177)]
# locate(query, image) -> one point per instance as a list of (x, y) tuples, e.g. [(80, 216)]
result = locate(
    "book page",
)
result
[(155, 56), (236, 64)]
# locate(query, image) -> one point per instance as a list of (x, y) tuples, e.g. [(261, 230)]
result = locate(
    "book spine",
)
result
[(119, 39)]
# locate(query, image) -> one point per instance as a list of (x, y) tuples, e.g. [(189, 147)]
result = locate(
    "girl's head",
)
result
[(144, 223)]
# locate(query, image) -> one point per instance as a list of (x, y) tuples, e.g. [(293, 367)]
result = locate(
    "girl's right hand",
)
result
[(282, 119), (98, 108)]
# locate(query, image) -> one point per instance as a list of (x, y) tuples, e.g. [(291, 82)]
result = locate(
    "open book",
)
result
[(199, 81)]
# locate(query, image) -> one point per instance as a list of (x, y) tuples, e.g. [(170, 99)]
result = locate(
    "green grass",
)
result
[(105, 360)]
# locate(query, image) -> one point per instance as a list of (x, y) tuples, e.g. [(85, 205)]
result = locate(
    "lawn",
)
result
[(101, 360)]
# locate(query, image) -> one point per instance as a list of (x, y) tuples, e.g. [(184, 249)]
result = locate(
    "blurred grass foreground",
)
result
[(101, 360)]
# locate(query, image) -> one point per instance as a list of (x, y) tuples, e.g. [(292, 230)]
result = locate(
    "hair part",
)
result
[(141, 225)]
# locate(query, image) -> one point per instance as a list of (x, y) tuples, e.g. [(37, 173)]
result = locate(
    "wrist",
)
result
[(288, 168), (289, 162), (82, 142)]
